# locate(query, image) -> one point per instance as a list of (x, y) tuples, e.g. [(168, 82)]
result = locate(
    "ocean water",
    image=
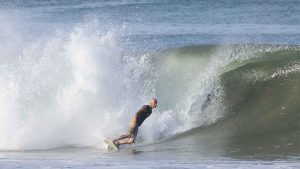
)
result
[(226, 75)]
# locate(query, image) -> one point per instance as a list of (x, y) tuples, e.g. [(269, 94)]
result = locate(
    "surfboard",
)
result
[(110, 144)]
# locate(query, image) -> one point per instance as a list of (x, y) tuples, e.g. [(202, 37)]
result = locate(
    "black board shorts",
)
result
[(133, 130)]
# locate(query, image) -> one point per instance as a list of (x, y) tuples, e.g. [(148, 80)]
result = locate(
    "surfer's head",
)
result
[(153, 103)]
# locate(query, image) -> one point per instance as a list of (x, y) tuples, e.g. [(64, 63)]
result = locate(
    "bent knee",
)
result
[(128, 135), (131, 140)]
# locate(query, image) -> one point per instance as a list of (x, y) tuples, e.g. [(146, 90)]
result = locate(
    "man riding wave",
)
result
[(135, 123)]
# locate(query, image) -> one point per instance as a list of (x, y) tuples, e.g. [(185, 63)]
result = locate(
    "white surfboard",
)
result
[(110, 144)]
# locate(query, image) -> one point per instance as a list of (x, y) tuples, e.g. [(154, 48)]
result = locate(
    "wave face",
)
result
[(260, 96)]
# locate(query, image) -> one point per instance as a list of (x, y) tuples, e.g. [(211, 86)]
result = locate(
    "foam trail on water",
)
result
[(66, 89)]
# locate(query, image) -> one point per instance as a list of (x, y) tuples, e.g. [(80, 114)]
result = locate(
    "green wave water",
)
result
[(260, 96)]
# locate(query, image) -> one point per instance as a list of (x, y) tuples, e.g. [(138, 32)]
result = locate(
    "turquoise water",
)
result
[(225, 74)]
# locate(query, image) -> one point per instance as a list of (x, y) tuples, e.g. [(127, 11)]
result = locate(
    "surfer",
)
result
[(134, 124)]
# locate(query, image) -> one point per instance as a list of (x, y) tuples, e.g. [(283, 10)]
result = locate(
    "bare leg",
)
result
[(122, 137), (125, 141), (127, 136)]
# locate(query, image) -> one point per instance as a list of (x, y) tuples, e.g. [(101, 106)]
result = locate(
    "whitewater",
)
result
[(74, 73)]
